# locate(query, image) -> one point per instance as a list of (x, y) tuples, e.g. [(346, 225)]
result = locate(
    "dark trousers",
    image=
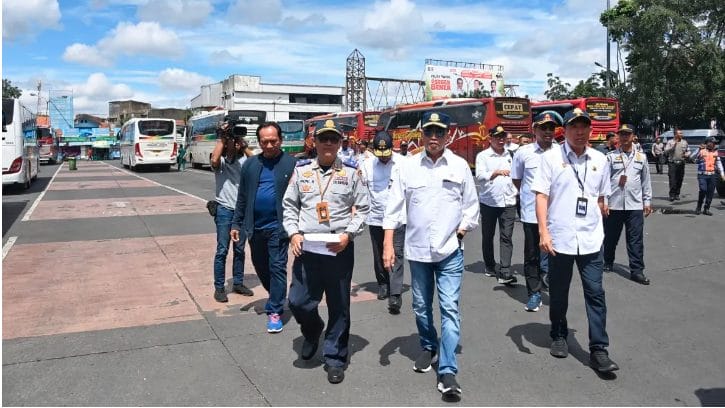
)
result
[(269, 256), (707, 189), (659, 161), (676, 172), (633, 222), (561, 267), (394, 280), (505, 217), (532, 258), (313, 275)]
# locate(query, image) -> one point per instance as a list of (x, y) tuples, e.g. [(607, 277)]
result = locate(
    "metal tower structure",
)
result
[(387, 92), (355, 82)]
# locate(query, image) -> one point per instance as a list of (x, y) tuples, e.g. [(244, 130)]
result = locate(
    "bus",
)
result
[(470, 120), (21, 158), (251, 119), (147, 142), (202, 136), (604, 113), (48, 141), (357, 126), (293, 135)]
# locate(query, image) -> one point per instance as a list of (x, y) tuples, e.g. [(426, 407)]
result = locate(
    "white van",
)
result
[(694, 138), (147, 142), (21, 158)]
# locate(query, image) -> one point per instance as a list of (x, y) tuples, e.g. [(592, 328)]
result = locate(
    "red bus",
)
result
[(470, 120), (604, 113), (355, 125)]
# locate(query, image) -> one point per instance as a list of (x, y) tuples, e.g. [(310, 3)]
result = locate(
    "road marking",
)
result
[(158, 184), (27, 215), (8, 245)]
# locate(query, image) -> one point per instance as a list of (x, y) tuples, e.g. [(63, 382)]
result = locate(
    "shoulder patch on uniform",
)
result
[(303, 162), (350, 163)]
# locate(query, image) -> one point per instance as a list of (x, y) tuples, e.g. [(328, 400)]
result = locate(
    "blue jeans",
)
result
[(223, 222), (269, 256), (446, 276), (590, 267)]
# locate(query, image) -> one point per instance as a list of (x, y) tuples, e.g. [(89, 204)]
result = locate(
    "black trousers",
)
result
[(505, 217), (532, 258), (676, 172), (633, 222), (706, 184), (313, 275), (394, 280)]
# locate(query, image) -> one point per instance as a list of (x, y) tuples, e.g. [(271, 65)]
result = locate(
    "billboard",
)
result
[(450, 81)]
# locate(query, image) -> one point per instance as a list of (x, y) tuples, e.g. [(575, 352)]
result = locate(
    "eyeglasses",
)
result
[(547, 126), (436, 132), (323, 138)]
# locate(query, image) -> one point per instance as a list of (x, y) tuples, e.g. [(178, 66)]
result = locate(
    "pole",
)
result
[(609, 80)]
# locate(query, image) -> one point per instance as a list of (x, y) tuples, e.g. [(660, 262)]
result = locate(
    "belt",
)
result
[(678, 161), (706, 173)]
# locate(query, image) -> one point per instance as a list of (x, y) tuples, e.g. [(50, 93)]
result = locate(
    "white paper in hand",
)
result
[(317, 243)]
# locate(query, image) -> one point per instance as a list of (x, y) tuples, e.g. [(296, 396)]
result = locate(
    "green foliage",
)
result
[(10, 91), (557, 88)]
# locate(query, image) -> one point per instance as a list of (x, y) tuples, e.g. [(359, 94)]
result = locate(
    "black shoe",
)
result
[(383, 291), (599, 360), (507, 280), (242, 290), (448, 386), (707, 212), (677, 198), (309, 346), (672, 198), (559, 348), (608, 267), (394, 304), (220, 295), (335, 375), (640, 278), (698, 211), (425, 361)]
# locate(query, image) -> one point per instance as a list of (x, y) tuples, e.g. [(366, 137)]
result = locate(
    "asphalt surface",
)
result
[(107, 300)]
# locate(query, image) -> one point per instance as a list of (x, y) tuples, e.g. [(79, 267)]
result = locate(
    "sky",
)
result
[(162, 51)]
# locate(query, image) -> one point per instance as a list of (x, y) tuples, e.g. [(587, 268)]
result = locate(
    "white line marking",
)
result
[(8, 245), (159, 184), (27, 215)]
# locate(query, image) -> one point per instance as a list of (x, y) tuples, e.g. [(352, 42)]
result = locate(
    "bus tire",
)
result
[(28, 181)]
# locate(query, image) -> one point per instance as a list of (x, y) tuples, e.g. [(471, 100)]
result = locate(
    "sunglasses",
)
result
[(323, 138), (436, 132), (547, 126)]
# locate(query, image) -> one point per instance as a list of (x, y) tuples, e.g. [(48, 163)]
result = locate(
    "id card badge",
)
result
[(323, 212), (622, 180), (581, 206)]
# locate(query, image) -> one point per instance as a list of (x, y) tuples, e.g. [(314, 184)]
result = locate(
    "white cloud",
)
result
[(176, 79), (183, 13), (26, 18), (144, 38), (382, 28), (250, 12)]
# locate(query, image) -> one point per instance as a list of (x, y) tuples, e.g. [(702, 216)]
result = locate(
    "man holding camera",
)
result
[(227, 158)]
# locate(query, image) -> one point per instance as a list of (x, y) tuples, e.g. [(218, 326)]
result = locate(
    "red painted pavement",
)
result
[(117, 207)]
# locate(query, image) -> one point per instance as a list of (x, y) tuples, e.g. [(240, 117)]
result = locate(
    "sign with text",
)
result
[(445, 82)]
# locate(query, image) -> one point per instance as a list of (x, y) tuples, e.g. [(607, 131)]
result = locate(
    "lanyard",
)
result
[(319, 183), (576, 172), (629, 159)]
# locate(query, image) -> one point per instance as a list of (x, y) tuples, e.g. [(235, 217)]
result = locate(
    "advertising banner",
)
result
[(446, 82)]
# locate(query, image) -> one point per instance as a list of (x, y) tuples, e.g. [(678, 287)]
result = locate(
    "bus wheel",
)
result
[(26, 184)]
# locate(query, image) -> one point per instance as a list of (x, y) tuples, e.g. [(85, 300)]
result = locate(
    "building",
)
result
[(121, 111), (280, 101)]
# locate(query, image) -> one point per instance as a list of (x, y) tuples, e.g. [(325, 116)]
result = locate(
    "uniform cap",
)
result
[(625, 128), (496, 130), (329, 126), (548, 116), (576, 114), (382, 144), (403, 143), (436, 119)]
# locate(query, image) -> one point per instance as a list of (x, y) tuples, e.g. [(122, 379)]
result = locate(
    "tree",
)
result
[(557, 88), (10, 91)]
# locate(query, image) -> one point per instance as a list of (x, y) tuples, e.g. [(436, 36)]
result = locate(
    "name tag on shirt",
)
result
[(581, 206)]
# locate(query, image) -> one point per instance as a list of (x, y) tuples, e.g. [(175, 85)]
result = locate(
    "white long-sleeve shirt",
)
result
[(440, 198), (378, 178), (499, 191)]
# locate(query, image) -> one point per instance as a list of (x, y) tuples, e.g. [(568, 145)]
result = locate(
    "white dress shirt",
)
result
[(573, 234), (378, 177), (524, 168), (499, 191), (440, 199)]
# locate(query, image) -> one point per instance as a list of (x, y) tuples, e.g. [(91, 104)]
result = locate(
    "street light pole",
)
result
[(608, 79)]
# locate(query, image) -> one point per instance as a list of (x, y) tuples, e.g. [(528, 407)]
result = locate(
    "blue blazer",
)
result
[(248, 184)]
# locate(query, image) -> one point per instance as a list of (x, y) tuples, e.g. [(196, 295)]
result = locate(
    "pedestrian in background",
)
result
[(377, 174), (677, 151), (320, 199), (628, 204), (497, 196), (523, 171), (181, 158), (434, 194), (258, 215), (403, 147), (227, 158), (658, 152), (571, 185), (709, 169)]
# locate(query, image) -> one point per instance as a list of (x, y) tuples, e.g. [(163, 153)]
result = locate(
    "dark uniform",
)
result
[(313, 274)]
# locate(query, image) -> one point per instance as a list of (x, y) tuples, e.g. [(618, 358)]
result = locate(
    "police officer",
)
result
[(320, 199), (629, 202), (708, 167)]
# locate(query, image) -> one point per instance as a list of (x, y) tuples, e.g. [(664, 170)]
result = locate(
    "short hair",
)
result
[(272, 124), (611, 135)]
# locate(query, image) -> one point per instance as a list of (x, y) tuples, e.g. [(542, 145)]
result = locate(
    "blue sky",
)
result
[(161, 51)]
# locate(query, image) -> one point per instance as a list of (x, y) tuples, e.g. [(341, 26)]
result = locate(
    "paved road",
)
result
[(107, 300)]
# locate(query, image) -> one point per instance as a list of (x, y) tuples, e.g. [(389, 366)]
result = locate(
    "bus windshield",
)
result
[(292, 130), (152, 127)]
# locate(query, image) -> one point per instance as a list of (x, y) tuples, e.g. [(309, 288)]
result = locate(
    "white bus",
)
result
[(21, 157), (147, 142), (202, 131)]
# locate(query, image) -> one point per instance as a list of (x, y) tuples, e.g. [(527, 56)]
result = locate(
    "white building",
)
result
[(280, 101)]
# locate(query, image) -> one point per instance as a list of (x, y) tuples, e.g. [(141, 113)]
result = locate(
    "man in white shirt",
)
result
[(377, 172), (523, 170), (435, 195), (346, 153), (497, 196), (571, 185), (511, 144)]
